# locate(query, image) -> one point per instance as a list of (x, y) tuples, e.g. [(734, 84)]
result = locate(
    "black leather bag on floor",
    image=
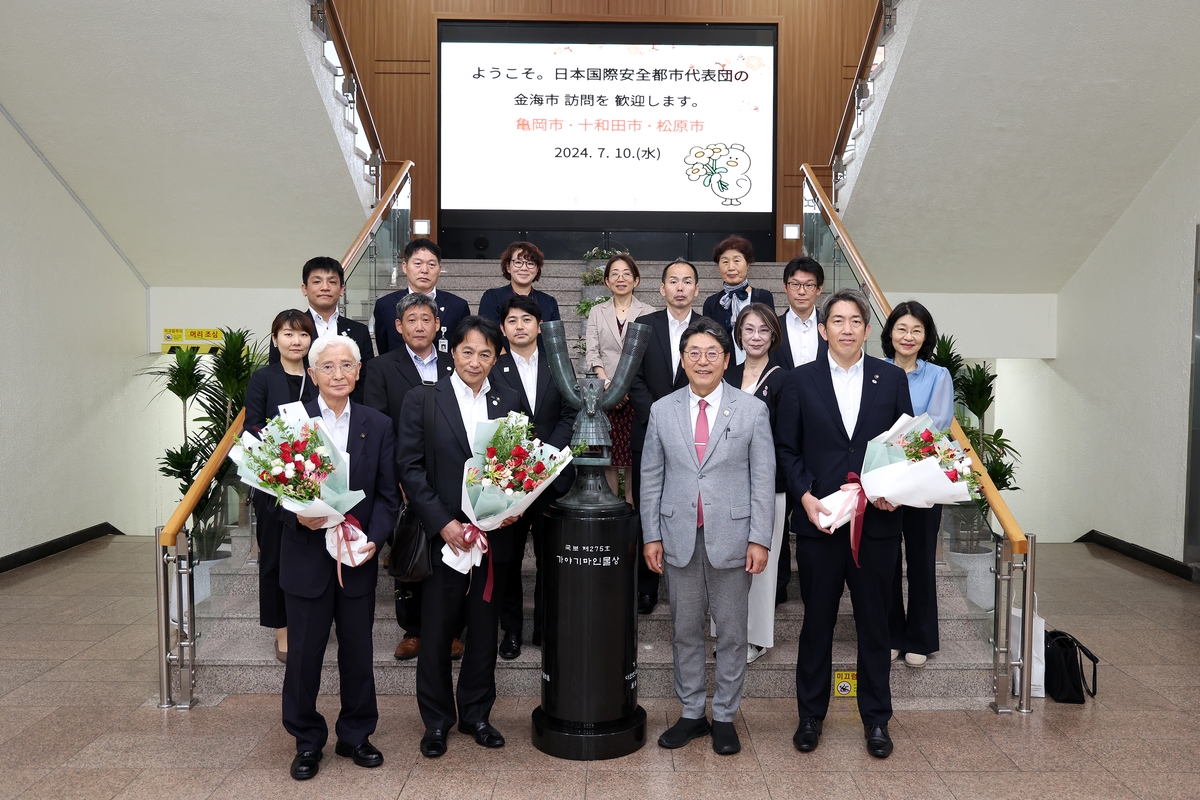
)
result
[(1065, 680), (410, 559)]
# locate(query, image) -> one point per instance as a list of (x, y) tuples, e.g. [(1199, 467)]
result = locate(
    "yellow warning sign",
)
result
[(203, 335), (845, 684), (172, 334), (203, 349)]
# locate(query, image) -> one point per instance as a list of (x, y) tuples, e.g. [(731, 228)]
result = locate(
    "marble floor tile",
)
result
[(902, 786), (176, 784), (808, 785), (1024, 785), (1161, 785), (80, 784)]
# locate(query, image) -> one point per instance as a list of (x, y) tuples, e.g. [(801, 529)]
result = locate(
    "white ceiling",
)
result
[(1015, 134), (194, 131)]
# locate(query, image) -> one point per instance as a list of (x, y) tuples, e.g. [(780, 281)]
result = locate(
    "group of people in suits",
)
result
[(756, 415)]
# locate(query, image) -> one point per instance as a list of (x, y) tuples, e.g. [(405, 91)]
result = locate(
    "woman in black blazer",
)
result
[(274, 385), (758, 333), (522, 265), (733, 257)]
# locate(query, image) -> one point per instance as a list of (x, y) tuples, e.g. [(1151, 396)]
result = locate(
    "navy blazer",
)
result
[(305, 566), (267, 390), (437, 498), (452, 309), (346, 327), (714, 310), (553, 418), (654, 379), (811, 443), (784, 353), (489, 304)]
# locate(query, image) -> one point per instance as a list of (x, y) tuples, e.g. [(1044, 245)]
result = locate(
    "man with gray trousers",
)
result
[(708, 507)]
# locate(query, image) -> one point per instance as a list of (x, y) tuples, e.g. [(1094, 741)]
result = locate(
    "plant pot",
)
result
[(969, 545), (593, 292)]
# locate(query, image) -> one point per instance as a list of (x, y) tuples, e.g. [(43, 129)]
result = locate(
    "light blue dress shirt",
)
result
[(932, 391)]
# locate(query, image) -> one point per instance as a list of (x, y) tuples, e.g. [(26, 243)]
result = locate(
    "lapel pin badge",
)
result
[(506, 369), (727, 412), (362, 436), (495, 402)]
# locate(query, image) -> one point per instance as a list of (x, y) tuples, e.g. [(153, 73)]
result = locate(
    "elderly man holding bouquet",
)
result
[(318, 590)]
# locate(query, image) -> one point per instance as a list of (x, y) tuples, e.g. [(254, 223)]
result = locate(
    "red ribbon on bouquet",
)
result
[(346, 531), (478, 538), (858, 502)]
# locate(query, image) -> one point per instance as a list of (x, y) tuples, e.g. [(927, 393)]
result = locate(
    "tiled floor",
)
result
[(77, 714)]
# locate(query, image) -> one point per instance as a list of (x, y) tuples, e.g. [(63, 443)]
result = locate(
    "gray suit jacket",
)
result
[(736, 480)]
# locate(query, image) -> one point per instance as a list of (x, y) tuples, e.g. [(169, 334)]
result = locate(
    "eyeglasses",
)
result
[(802, 287), (709, 355), (751, 331), (522, 263), (331, 369)]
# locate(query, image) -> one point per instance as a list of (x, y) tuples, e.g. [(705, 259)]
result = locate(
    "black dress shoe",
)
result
[(879, 744), (646, 603), (808, 735), (485, 735), (780, 596), (364, 755), (683, 732), (433, 743), (306, 764), (510, 646), (536, 639), (725, 739)]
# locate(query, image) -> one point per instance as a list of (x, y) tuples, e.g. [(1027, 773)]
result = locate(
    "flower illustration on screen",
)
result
[(721, 168)]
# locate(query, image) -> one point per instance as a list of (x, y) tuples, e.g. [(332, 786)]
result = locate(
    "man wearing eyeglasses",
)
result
[(317, 596), (803, 281), (708, 508)]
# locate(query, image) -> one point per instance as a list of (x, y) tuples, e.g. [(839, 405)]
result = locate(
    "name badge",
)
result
[(443, 346)]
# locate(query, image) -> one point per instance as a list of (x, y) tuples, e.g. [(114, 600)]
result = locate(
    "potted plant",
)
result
[(593, 287)]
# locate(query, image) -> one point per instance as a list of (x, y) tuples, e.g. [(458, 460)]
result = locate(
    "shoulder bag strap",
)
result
[(430, 460), (1083, 651), (762, 378)]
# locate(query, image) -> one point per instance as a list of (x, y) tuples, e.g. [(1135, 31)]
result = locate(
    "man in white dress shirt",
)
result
[(803, 282)]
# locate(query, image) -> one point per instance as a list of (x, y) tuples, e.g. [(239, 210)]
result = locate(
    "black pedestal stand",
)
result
[(589, 705)]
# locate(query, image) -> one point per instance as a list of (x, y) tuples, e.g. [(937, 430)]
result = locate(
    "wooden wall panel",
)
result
[(395, 43)]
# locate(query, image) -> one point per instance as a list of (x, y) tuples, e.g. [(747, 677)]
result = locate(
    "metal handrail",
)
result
[(208, 472), (864, 67), (343, 47), (376, 219)]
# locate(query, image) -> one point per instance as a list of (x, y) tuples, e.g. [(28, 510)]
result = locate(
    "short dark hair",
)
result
[(734, 242), (486, 327), (295, 319), (915, 309), (768, 315), (323, 264), (628, 259), (705, 325), (521, 302), (413, 299), (847, 296), (667, 268), (805, 264), (422, 244), (531, 252)]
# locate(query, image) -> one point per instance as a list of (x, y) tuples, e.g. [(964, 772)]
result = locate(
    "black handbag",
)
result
[(410, 560), (1065, 680)]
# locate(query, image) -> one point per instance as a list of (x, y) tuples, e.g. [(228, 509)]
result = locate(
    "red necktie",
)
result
[(701, 446)]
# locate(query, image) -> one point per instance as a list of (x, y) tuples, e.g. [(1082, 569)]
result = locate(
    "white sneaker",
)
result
[(895, 654), (754, 652), (915, 659)]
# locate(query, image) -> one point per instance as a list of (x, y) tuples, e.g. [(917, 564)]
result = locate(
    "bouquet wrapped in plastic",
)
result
[(295, 459), (509, 470), (912, 464)]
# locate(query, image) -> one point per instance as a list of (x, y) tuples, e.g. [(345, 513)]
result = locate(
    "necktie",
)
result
[(701, 446)]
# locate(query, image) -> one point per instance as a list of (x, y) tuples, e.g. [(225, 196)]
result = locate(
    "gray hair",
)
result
[(709, 326), (319, 346), (414, 299), (847, 296)]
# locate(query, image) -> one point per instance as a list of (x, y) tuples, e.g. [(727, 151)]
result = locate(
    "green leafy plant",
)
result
[(974, 387), (183, 377), (593, 276), (601, 254), (584, 307), (944, 355)]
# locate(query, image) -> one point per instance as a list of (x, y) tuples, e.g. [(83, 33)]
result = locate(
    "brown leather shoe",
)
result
[(408, 648), (456, 650)]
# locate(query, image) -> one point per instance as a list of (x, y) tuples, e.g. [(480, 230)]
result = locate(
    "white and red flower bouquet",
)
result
[(912, 464), (294, 459), (509, 470)]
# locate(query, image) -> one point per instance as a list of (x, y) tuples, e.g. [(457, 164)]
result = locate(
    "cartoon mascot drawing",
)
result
[(721, 168)]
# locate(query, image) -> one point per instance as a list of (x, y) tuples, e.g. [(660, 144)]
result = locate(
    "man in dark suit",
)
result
[(422, 266), (803, 282), (660, 374), (388, 380), (324, 283), (462, 401), (828, 410), (525, 369), (309, 578), (733, 257)]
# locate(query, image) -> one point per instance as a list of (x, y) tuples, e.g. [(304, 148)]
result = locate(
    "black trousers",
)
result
[(825, 567), (272, 608), (785, 550), (408, 606), (508, 573), (647, 580), (308, 634), (917, 631), (449, 596)]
